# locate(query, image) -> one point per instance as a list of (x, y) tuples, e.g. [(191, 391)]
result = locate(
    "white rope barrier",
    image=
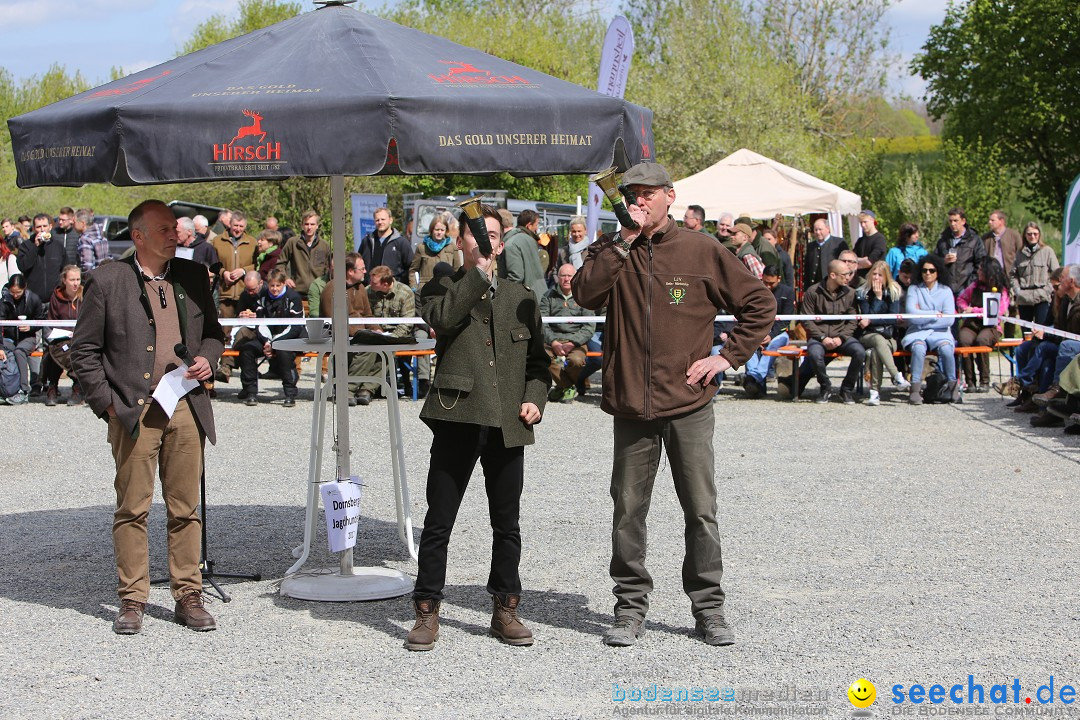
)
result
[(247, 322)]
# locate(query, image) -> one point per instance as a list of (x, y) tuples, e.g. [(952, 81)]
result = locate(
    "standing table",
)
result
[(362, 583)]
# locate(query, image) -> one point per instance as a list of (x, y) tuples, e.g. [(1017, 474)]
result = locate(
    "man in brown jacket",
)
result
[(134, 313), (306, 257), (662, 286), (236, 251), (833, 296), (1002, 242)]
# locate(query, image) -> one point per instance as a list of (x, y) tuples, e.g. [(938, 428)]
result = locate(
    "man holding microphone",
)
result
[(136, 314)]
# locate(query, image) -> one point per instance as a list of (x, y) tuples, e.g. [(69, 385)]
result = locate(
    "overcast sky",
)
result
[(136, 34)]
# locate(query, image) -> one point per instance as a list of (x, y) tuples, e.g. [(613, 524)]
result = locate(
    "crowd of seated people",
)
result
[(867, 279)]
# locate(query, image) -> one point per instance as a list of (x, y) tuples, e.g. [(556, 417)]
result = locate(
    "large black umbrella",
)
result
[(329, 93)]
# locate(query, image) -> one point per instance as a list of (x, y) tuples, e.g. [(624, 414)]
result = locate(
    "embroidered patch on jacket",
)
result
[(678, 294)]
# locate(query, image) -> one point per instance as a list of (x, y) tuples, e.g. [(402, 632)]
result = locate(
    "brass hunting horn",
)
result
[(472, 209), (606, 181)]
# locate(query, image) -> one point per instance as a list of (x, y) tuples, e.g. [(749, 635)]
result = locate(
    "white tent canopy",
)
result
[(745, 183)]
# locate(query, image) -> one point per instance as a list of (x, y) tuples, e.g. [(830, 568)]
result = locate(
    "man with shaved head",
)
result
[(833, 296)]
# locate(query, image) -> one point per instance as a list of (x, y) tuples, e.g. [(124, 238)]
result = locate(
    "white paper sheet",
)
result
[(172, 387), (341, 505), (186, 253), (58, 334)]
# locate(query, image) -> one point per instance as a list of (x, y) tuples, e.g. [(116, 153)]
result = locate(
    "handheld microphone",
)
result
[(184, 354), (215, 270)]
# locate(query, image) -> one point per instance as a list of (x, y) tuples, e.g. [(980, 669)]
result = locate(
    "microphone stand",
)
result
[(206, 565)]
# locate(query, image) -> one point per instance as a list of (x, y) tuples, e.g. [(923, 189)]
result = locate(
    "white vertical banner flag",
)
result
[(614, 67), (1070, 235)]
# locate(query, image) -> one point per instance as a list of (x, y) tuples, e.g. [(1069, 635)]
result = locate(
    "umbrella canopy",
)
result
[(329, 92), (747, 183)]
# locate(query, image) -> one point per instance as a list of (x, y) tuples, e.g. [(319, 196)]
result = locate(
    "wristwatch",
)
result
[(623, 244)]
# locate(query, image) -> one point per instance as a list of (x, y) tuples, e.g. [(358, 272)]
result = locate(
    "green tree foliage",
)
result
[(714, 86), (252, 15), (718, 75), (840, 52), (1010, 73)]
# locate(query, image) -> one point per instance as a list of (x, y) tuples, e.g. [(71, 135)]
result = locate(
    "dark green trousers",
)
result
[(688, 440)]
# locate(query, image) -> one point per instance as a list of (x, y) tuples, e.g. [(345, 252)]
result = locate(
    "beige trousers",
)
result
[(173, 449)]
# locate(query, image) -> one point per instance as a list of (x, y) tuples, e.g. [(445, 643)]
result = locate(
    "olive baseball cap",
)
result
[(649, 174)]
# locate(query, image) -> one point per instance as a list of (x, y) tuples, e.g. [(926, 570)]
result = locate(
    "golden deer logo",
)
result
[(254, 129)]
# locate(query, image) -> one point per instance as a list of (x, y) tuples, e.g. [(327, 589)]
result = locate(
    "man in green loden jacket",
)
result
[(565, 342), (487, 393), (520, 259)]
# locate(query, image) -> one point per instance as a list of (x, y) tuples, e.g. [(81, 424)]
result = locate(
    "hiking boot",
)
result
[(129, 618), (425, 631), (625, 632), (76, 397), (715, 630), (1046, 419), (1043, 399), (363, 397), (1028, 406), (915, 398), (751, 387), (505, 623), (569, 394), (50, 396), (1010, 387), (901, 382), (191, 611)]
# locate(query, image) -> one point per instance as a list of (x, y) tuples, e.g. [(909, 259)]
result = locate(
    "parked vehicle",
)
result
[(115, 227)]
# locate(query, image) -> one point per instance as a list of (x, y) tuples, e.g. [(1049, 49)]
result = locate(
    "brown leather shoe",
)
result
[(191, 612), (1044, 399), (129, 619), (1046, 419), (505, 623), (426, 630)]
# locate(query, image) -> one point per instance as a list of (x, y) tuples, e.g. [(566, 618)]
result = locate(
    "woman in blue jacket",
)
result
[(907, 247), (931, 298)]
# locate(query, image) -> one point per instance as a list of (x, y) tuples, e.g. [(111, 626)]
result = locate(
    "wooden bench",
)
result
[(797, 352)]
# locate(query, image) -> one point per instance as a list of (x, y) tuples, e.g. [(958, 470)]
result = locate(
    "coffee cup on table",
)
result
[(318, 330)]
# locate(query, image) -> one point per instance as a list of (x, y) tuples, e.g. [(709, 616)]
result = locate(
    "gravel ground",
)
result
[(895, 543)]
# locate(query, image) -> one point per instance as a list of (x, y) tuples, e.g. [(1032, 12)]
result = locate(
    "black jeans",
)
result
[(454, 451), (816, 362), (282, 362)]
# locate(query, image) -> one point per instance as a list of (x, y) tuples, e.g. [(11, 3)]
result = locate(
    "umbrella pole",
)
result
[(341, 341), (349, 583)]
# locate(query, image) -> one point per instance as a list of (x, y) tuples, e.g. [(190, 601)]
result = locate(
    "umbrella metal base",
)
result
[(365, 583)]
